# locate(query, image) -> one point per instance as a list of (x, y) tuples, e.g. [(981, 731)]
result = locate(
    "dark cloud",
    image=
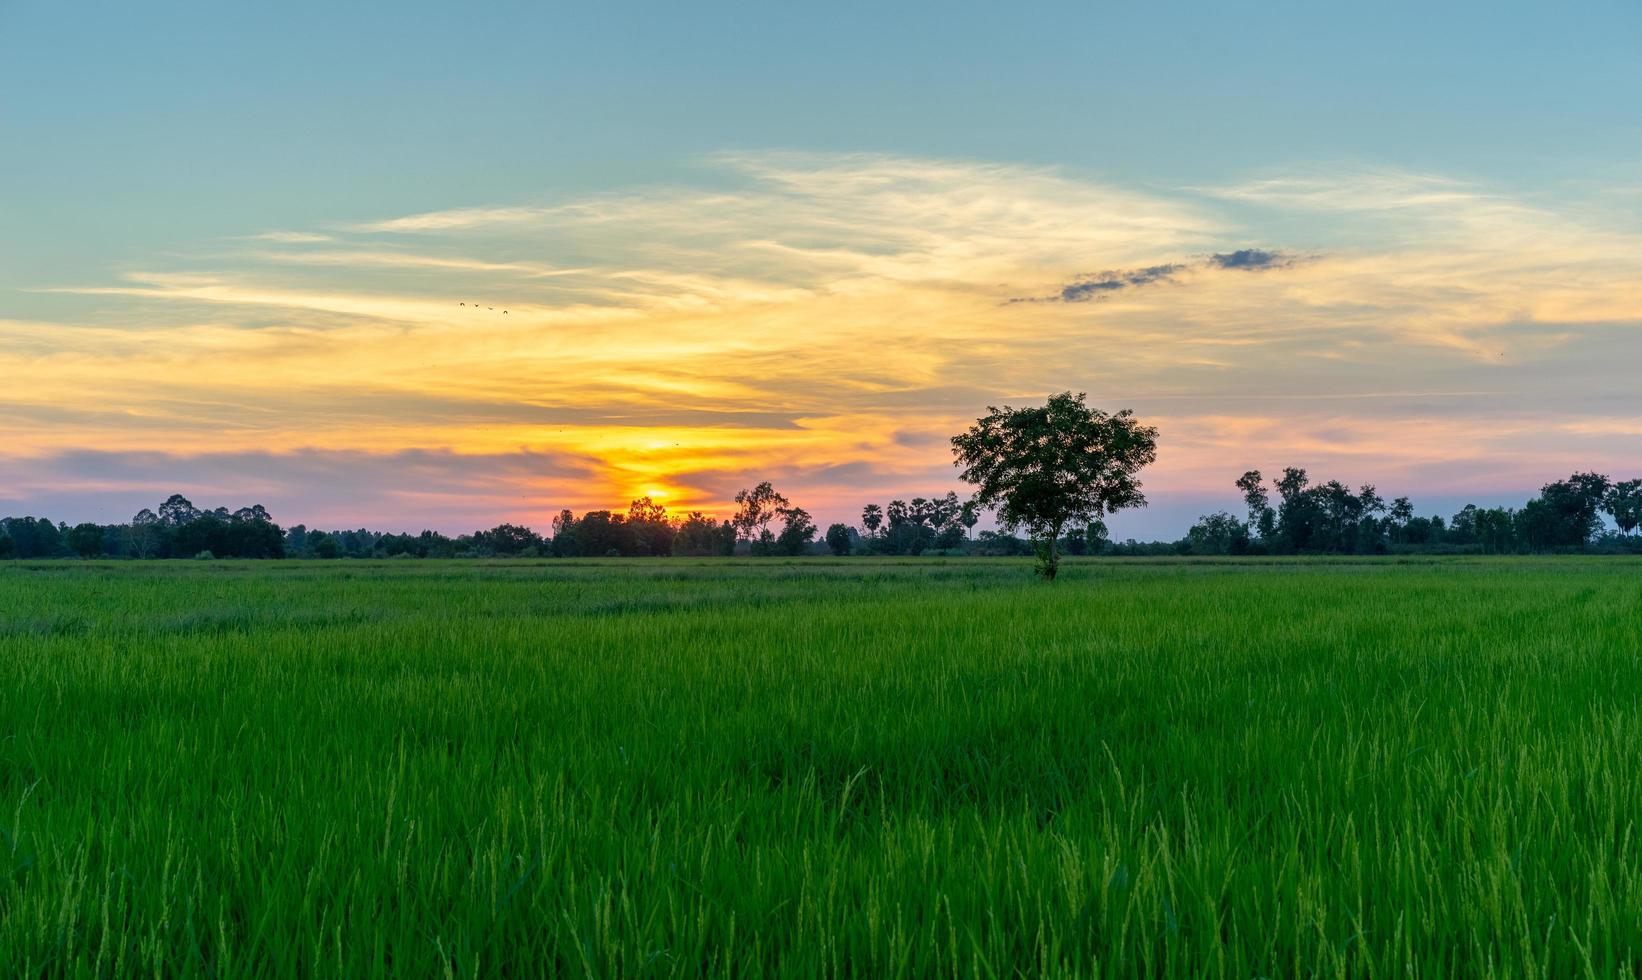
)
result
[(1249, 259), (917, 440), (1082, 292), (1085, 289), (1091, 287)]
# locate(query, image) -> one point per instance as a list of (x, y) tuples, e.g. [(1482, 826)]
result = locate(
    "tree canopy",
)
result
[(1044, 468)]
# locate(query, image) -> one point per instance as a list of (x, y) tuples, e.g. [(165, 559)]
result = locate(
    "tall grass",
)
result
[(891, 769)]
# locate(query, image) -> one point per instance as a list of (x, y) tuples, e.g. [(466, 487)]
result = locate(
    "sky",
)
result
[(433, 265)]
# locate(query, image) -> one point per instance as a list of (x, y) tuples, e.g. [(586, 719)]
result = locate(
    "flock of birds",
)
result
[(491, 308)]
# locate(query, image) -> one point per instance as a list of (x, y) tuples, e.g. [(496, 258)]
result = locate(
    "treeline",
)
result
[(1296, 516), (1290, 516), (765, 524), (177, 530)]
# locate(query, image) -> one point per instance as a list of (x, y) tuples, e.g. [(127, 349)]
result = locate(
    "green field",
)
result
[(855, 767)]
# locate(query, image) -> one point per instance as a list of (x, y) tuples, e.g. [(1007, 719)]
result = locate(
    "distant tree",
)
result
[(86, 540), (908, 531), (1292, 482), (323, 545), (1327, 517), (1096, 537), (249, 533), (797, 531), (699, 536), (1254, 496), (652, 532), (1001, 545), (947, 520), (1420, 530), (1496, 530), (509, 540), (1539, 526), (8, 547), (969, 515), (838, 539), (1571, 511), (1218, 534), (1462, 528), (1074, 544), (50, 539), (756, 509), (1624, 505), (921, 512), (647, 509), (428, 544), (1369, 501), (1370, 537), (1402, 511), (603, 534), (950, 536), (1044, 468), (142, 535), (1296, 511), (177, 511), (206, 532), (255, 512), (872, 518), (296, 540), (565, 541)]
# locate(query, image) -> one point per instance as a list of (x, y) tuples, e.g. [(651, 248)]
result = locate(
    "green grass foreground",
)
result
[(874, 768)]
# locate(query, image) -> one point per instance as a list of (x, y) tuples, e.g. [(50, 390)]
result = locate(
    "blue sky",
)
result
[(135, 126), (156, 139)]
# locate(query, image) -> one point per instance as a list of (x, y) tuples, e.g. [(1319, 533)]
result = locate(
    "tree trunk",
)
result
[(1049, 556)]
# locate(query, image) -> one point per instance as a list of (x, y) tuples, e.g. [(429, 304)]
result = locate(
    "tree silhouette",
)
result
[(1254, 496), (757, 508), (1044, 468), (838, 539), (1624, 505), (86, 540), (872, 518)]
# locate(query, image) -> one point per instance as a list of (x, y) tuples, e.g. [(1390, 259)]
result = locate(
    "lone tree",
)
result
[(1050, 467)]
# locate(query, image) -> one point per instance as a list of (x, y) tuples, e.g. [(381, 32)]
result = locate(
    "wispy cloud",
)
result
[(831, 319), (362, 259), (290, 237), (456, 219)]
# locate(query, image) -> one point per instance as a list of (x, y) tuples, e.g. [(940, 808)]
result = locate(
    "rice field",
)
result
[(824, 768)]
